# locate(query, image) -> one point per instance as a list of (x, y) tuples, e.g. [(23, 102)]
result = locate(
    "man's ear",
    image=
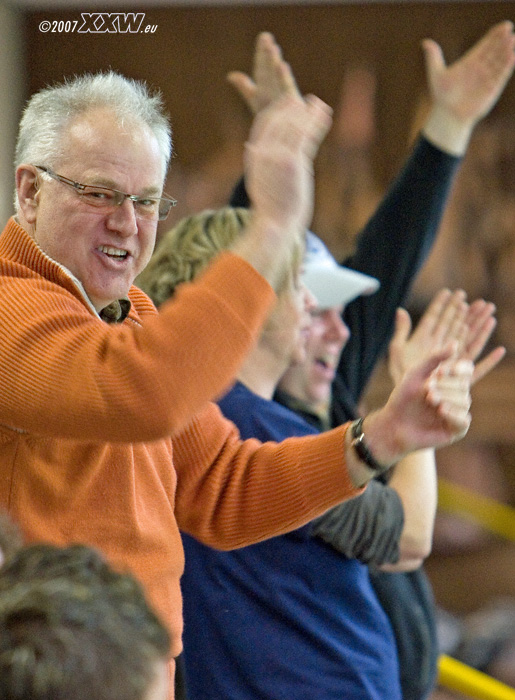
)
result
[(27, 188)]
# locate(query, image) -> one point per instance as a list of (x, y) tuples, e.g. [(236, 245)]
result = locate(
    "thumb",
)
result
[(245, 86), (402, 327), (434, 60), (318, 122)]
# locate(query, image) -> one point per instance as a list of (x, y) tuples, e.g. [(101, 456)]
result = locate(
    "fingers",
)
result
[(451, 382), (481, 74), (427, 323), (279, 155), (480, 326), (488, 363), (272, 76), (443, 320), (448, 390), (446, 317), (399, 357), (496, 51), (458, 420), (271, 69), (320, 121)]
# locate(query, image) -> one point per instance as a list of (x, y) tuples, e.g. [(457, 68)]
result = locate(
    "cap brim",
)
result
[(336, 286)]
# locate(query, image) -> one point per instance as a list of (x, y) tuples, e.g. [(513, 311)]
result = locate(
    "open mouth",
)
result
[(113, 253), (326, 365)]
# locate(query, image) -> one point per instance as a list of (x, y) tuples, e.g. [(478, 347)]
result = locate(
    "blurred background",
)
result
[(365, 60)]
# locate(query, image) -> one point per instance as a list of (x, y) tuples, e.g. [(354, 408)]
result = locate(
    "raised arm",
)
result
[(391, 525), (406, 222), (279, 157), (448, 318), (284, 485)]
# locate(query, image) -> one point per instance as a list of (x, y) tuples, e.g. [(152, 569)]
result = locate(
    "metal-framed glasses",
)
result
[(108, 199)]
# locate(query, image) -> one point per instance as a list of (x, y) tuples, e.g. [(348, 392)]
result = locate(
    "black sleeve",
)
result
[(367, 528), (392, 247), (239, 196)]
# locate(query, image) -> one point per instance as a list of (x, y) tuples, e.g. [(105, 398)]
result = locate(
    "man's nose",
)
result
[(336, 328), (123, 219)]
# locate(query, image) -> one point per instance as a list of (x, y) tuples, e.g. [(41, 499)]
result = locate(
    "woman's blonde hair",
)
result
[(187, 249)]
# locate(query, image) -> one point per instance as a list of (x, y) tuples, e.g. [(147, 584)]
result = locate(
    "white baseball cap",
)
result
[(330, 283)]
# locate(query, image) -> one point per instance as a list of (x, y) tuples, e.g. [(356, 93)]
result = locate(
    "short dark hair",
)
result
[(72, 627)]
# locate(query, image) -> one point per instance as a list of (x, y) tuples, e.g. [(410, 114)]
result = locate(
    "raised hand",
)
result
[(448, 318), (443, 320), (279, 155), (430, 407), (464, 92), (272, 77), (283, 142), (471, 86)]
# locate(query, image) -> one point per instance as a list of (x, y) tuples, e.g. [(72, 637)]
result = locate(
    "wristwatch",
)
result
[(362, 450)]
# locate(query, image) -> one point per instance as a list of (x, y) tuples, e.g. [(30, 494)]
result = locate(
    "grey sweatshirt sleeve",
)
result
[(367, 528)]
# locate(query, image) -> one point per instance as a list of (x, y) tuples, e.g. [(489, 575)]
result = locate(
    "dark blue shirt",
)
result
[(286, 619)]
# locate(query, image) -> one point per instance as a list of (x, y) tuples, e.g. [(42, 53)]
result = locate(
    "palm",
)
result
[(471, 86), (433, 407)]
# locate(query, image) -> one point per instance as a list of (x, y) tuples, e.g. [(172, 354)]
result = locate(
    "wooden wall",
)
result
[(193, 48)]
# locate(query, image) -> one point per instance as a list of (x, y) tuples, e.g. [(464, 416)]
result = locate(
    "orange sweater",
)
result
[(87, 410)]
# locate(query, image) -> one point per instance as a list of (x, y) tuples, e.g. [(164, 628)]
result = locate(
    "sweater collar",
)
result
[(18, 246)]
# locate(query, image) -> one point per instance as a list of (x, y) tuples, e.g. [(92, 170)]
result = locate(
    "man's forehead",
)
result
[(102, 124), (100, 139)]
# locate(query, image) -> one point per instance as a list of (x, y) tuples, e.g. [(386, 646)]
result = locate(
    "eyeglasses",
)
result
[(107, 199)]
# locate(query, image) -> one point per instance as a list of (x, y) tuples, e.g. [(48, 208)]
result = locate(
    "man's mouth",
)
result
[(326, 362), (115, 253)]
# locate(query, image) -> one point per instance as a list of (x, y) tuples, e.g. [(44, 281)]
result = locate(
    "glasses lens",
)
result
[(100, 196), (152, 209), (147, 208), (164, 207)]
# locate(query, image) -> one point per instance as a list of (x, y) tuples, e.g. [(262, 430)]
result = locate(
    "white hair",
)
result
[(50, 111)]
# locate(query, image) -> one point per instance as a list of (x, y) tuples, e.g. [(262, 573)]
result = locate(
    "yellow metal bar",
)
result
[(494, 516), (474, 684)]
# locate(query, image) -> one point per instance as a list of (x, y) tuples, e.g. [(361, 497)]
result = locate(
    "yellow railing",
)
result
[(499, 519), (472, 683), (493, 516)]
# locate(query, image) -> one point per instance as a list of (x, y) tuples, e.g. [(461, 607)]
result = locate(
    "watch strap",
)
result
[(362, 450)]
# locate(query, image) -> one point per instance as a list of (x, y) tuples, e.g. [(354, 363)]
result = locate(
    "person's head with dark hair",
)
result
[(72, 627)]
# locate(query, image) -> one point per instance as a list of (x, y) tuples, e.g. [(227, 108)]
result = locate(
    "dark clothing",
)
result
[(392, 248), (287, 618), (369, 530), (407, 599)]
